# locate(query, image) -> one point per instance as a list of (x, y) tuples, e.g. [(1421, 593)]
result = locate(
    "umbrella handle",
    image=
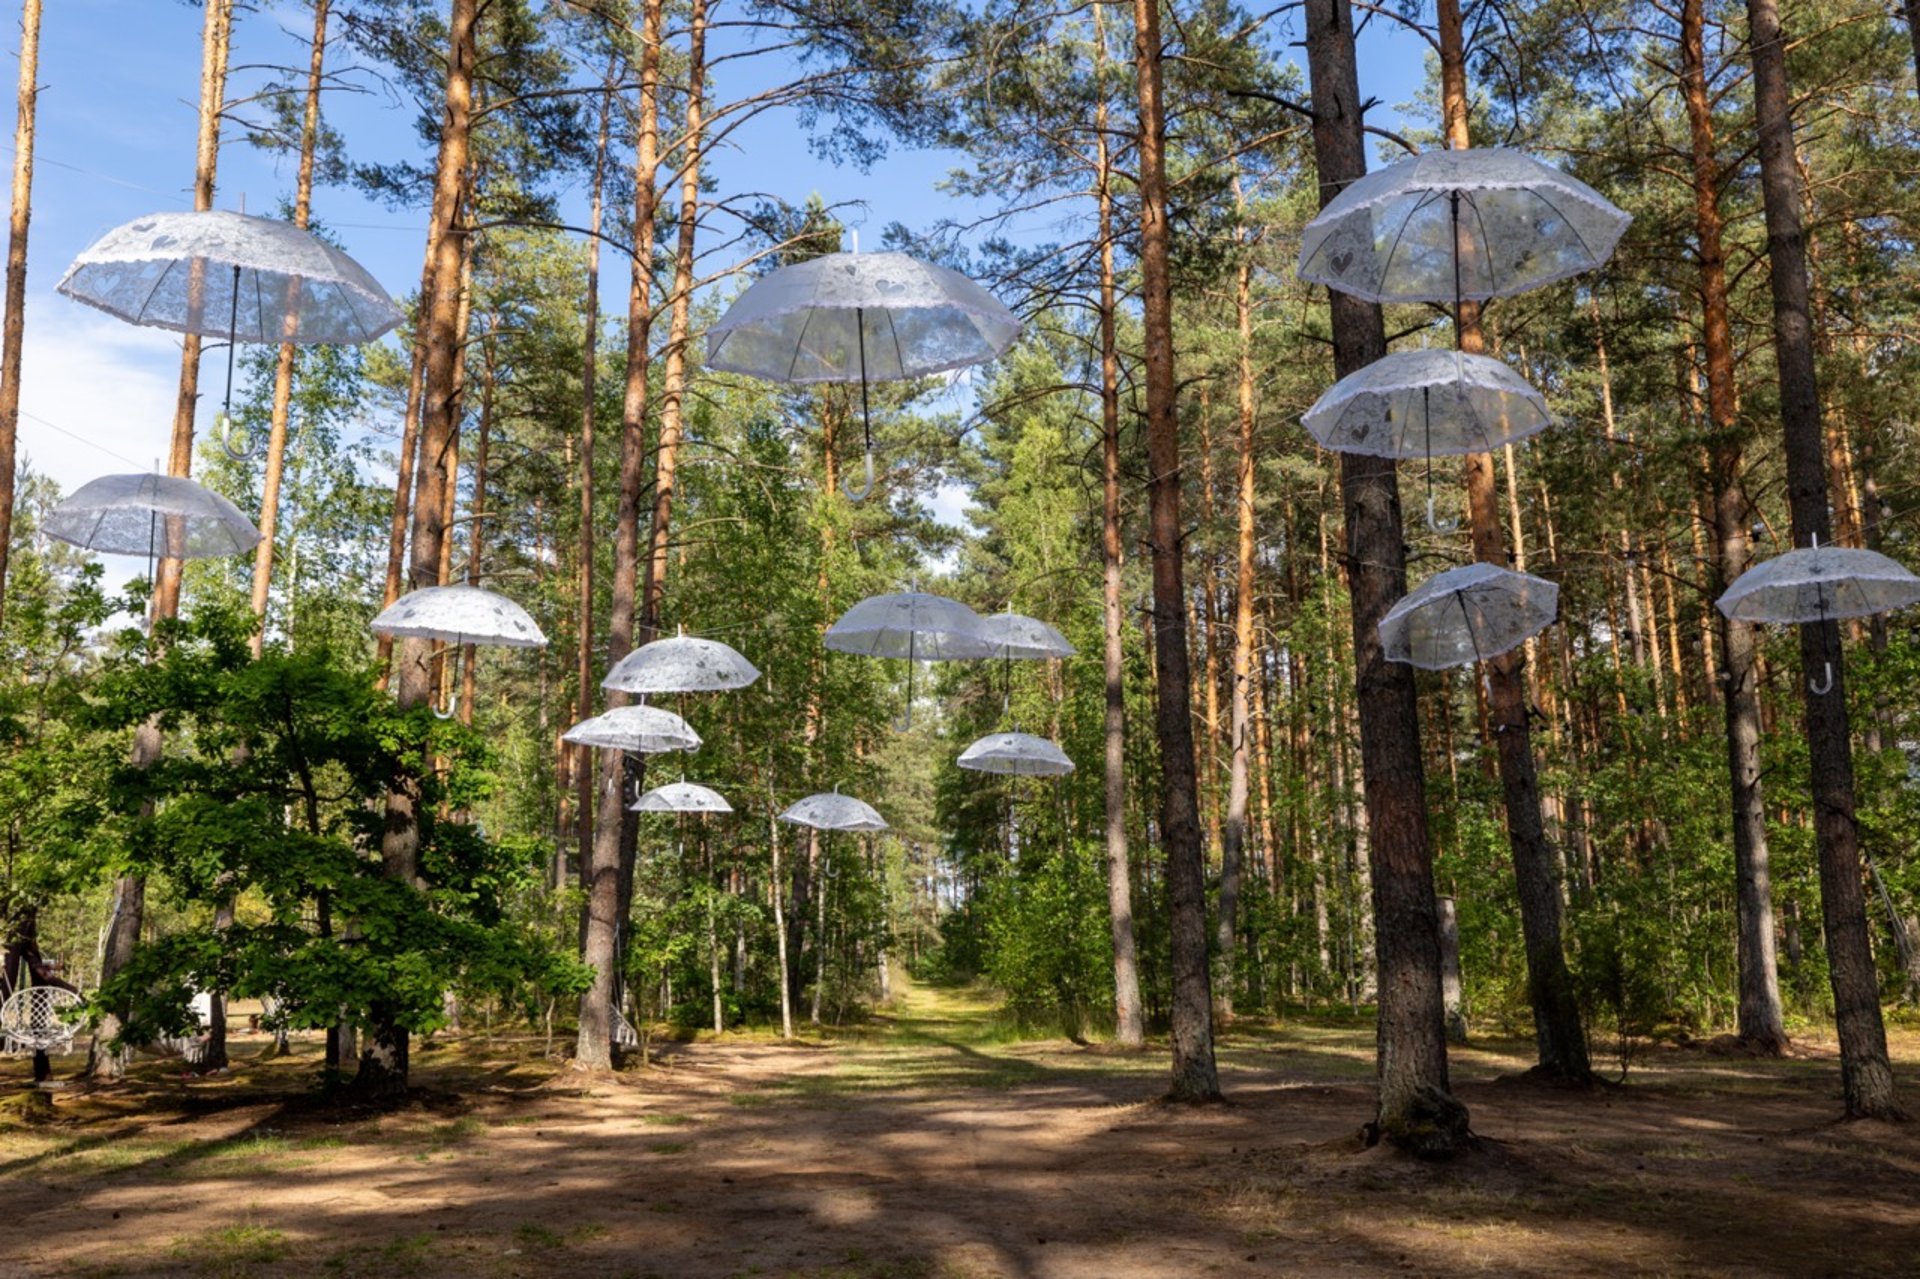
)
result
[(1824, 685), (225, 431), (860, 494), (1437, 524)]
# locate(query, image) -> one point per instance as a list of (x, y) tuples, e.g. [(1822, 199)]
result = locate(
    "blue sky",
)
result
[(116, 139)]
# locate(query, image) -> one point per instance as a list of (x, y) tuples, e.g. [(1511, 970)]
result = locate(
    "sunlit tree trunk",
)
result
[(593, 1048), (1417, 1110), (1195, 1077), (130, 891), (1129, 1030), (581, 757), (283, 365), (14, 332), (1560, 1040), (1233, 842), (1865, 1072)]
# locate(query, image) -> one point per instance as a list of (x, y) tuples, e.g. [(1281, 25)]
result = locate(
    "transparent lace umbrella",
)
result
[(1016, 637), (681, 797), (1465, 225), (1016, 754), (1820, 584), (912, 625), (228, 275), (830, 810), (1467, 615), (639, 730), (458, 615), (151, 515), (682, 664), (1427, 404), (860, 317)]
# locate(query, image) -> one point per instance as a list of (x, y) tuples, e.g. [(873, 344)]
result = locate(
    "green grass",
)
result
[(231, 1252)]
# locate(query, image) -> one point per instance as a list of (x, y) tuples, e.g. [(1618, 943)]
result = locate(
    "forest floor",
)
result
[(926, 1145)]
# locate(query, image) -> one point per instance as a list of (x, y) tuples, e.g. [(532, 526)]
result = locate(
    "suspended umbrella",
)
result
[(830, 810), (222, 274), (151, 515), (682, 664), (1014, 636), (1017, 754), (912, 625), (854, 317), (641, 730), (1461, 225), (681, 797), (1820, 584), (1467, 614), (459, 615), (1427, 404)]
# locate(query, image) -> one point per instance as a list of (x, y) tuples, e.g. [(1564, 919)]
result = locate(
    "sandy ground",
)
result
[(922, 1146)]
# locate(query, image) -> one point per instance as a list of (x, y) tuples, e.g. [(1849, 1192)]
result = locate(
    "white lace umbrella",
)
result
[(1465, 615), (152, 515), (860, 317), (1820, 584), (1018, 754), (830, 810), (1015, 636), (1459, 225), (228, 275), (459, 615), (643, 730), (682, 664), (681, 797), (912, 625)]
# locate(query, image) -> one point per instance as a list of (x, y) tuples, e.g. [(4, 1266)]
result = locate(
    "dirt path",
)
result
[(923, 1147)]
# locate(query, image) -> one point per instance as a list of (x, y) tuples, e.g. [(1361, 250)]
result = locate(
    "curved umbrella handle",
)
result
[(860, 494), (453, 707), (225, 431), (1824, 685), (1437, 524)]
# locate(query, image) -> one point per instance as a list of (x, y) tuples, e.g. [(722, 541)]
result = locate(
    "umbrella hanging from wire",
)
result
[(1467, 615), (151, 515), (458, 615), (681, 664), (1016, 754), (229, 275), (830, 810), (913, 625), (681, 797), (1820, 584), (854, 317), (1427, 404), (639, 730)]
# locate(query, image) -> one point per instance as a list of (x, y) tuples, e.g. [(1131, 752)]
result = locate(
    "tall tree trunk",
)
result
[(1233, 842), (1560, 1040), (1760, 1022), (1129, 1028), (477, 513), (283, 365), (383, 1058), (130, 891), (1417, 1110), (1195, 1077), (613, 825), (582, 756), (1866, 1075), (14, 332)]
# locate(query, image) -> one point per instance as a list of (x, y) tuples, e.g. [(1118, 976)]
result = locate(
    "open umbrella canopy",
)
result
[(682, 664), (681, 797), (461, 615), (1467, 614), (228, 275), (910, 624), (644, 730), (1014, 635), (1821, 583), (1470, 224), (1427, 404), (1019, 754), (860, 317), (830, 810), (155, 515)]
